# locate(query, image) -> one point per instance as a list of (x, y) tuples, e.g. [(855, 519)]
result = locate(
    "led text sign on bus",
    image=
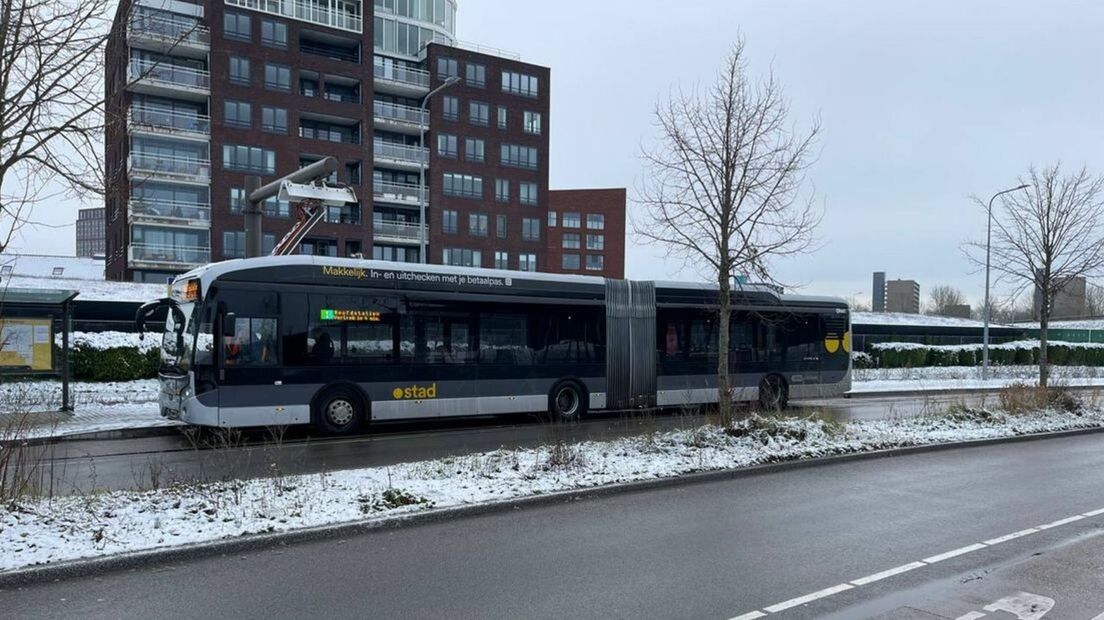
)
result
[(360, 316)]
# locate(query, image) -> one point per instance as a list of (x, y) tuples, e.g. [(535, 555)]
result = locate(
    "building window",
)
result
[(570, 261), (476, 75), (502, 260), (233, 244), (239, 70), (248, 158), (447, 67), (237, 26), (502, 190), (274, 34), (527, 262), (595, 262), (238, 113), (352, 173), (532, 123), (477, 224), (500, 226), (450, 222), (479, 113), (503, 118), (596, 242), (450, 108), (530, 229), (446, 145), (551, 219), (462, 257), (527, 193), (520, 84), (462, 185), (572, 241), (274, 120), (571, 220), (237, 199), (517, 156), (596, 221), (277, 77), (473, 149)]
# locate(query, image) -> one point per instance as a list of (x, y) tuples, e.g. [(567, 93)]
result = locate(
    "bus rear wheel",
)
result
[(567, 402), (773, 393), (340, 411)]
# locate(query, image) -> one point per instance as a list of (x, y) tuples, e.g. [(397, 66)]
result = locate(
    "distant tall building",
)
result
[(877, 298), (1068, 303), (586, 232), (903, 296), (90, 232)]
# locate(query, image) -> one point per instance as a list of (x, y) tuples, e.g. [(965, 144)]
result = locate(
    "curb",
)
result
[(71, 569)]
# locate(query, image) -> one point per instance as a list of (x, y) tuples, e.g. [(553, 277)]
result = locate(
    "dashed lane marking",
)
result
[(904, 568)]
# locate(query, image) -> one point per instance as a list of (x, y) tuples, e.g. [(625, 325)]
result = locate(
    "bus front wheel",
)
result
[(339, 411), (567, 402), (773, 394)]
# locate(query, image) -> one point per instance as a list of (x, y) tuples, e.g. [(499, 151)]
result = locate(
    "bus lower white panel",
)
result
[(448, 407), (264, 416), (195, 412), (697, 396)]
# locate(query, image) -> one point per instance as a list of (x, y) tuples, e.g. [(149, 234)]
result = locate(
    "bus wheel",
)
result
[(339, 411), (567, 402), (773, 393)]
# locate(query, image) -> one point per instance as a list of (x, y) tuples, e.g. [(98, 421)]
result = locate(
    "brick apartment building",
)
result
[(586, 231), (201, 95), (90, 232)]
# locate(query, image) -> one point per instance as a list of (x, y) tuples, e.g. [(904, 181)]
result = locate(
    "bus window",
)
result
[(370, 342), (323, 343), (504, 340), (253, 342)]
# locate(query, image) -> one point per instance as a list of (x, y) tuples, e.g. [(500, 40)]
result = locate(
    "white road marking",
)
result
[(954, 553), (1008, 537), (751, 615), (808, 598), (862, 581), (904, 568), (1060, 522)]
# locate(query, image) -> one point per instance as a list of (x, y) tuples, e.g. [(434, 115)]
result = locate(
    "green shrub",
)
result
[(116, 364), (1023, 357), (966, 357), (1058, 354)]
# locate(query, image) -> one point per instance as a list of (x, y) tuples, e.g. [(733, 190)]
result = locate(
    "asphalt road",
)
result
[(144, 462), (709, 550)]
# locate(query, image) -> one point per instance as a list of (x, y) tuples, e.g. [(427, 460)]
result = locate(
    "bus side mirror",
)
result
[(228, 321)]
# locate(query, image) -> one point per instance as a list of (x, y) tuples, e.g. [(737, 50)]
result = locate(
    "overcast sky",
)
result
[(923, 104)]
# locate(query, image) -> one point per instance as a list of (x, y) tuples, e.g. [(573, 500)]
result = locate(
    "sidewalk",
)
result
[(98, 407)]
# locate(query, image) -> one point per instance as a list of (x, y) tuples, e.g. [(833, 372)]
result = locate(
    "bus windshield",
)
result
[(173, 356)]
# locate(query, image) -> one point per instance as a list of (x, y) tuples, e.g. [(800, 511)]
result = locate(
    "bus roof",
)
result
[(208, 274)]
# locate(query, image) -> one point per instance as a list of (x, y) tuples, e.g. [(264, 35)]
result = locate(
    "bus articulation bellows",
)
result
[(339, 343)]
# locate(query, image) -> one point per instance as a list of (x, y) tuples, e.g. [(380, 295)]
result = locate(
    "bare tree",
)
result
[(1046, 236), (51, 103), (942, 298), (721, 186), (1094, 300)]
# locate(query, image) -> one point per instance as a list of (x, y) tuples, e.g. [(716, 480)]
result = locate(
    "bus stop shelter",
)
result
[(29, 321)]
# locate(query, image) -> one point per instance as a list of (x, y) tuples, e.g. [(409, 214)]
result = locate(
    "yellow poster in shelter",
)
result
[(27, 343)]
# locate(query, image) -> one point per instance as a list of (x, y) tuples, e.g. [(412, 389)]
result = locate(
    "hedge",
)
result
[(114, 364), (1023, 353)]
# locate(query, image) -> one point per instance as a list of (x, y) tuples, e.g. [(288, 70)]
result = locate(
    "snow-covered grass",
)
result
[(20, 396), (969, 373), (49, 530)]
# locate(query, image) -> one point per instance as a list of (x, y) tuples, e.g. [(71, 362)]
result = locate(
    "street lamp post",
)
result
[(986, 310), (422, 224)]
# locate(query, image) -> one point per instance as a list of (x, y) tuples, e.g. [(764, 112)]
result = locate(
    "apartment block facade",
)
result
[(586, 232), (90, 232), (201, 95)]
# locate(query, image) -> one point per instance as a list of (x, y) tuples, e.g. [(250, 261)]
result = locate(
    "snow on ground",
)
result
[(92, 290), (1015, 345), (872, 380), (50, 530), (901, 318), (98, 407), (111, 340)]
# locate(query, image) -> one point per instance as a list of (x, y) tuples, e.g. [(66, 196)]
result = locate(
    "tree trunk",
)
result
[(724, 390), (1044, 323)]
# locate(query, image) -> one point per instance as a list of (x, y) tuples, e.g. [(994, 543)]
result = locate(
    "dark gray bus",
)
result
[(339, 343)]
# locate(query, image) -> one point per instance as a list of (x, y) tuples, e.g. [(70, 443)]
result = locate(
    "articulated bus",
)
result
[(339, 343)]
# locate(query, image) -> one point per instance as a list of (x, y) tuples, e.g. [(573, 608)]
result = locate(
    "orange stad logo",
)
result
[(415, 391)]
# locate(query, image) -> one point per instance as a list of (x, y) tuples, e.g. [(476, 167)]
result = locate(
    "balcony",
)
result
[(400, 157), (402, 81), (330, 133), (168, 34), (395, 193), (166, 256), (397, 232), (170, 213), (303, 10), (151, 120), (142, 166), (168, 80), (399, 118)]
